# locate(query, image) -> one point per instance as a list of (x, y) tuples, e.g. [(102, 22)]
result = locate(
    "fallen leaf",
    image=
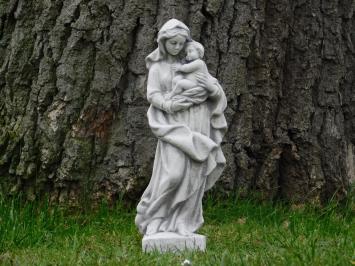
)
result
[(242, 220), (285, 224)]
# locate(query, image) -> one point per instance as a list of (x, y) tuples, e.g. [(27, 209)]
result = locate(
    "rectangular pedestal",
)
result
[(172, 242)]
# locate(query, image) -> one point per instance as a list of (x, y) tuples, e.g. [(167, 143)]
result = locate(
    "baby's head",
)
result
[(194, 50)]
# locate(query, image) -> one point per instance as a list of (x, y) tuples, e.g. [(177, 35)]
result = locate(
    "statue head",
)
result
[(171, 40), (194, 50)]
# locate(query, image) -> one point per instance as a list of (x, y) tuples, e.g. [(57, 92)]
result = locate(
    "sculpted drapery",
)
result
[(188, 158)]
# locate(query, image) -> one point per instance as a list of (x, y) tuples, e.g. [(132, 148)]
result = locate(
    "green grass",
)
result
[(240, 232)]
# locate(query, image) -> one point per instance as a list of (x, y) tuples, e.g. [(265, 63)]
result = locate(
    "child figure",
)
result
[(185, 85)]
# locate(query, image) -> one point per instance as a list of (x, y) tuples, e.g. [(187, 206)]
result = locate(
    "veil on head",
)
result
[(170, 29)]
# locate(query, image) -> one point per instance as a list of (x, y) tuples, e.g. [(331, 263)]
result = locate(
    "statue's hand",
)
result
[(205, 82), (175, 67), (179, 105)]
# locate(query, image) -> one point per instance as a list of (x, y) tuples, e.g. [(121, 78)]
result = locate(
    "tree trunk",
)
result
[(73, 94)]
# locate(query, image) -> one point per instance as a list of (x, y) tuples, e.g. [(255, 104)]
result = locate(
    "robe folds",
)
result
[(188, 158)]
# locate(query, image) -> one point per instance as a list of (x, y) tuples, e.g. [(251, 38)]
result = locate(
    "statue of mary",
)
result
[(188, 158)]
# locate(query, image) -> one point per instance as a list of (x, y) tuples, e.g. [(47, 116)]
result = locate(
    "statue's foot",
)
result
[(151, 231), (153, 227), (181, 230)]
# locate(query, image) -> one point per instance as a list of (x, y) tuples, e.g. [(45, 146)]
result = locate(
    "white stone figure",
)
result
[(185, 85), (189, 124)]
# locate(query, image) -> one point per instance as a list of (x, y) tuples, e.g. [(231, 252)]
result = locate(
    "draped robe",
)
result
[(188, 158)]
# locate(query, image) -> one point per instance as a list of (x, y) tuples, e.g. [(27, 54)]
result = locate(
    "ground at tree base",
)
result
[(239, 232)]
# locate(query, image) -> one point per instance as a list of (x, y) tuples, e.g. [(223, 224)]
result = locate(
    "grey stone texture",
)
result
[(73, 101), (172, 242)]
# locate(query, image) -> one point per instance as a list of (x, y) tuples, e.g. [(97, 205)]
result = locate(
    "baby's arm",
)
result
[(191, 67)]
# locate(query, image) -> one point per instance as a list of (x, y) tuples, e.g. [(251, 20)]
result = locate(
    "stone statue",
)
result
[(187, 84), (186, 115)]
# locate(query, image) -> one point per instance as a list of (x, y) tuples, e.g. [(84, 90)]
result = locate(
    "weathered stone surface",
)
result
[(172, 242), (72, 94)]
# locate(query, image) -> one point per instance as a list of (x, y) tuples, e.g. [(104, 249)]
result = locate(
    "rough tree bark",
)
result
[(73, 105)]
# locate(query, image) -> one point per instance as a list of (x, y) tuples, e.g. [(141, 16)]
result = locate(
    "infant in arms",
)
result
[(185, 84)]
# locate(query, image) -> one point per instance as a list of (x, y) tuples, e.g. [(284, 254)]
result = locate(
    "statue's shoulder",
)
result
[(155, 67)]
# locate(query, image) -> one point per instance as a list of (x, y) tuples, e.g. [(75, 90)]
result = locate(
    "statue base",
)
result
[(172, 242)]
